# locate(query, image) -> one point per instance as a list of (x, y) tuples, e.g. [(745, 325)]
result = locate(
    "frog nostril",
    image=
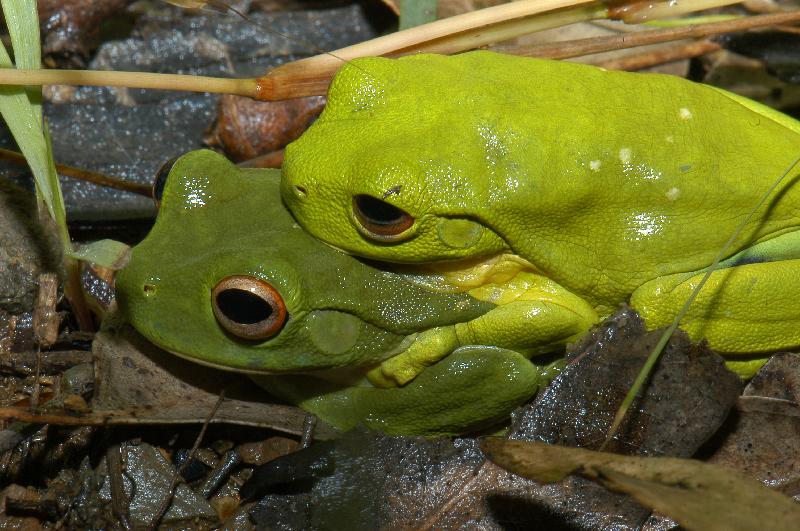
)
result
[(300, 191), (149, 289), (248, 307)]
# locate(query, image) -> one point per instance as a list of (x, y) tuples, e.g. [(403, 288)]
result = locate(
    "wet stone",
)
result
[(246, 129), (25, 250), (131, 133), (147, 477), (688, 397), (71, 28), (78, 380)]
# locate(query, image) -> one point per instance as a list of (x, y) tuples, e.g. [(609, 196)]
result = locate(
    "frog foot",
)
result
[(428, 348)]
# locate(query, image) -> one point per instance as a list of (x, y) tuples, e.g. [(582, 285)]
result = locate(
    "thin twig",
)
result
[(667, 54), (165, 503), (34, 403), (84, 175), (133, 417), (305, 75), (49, 362), (580, 47), (119, 498), (311, 76)]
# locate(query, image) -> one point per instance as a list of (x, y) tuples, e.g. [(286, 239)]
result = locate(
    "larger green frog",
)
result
[(613, 186), (228, 279)]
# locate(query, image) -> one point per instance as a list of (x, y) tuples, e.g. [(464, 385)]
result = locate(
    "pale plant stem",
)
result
[(111, 78), (591, 45), (311, 76)]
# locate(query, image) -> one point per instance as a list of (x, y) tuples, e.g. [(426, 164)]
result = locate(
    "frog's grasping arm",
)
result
[(471, 389), (534, 315), (747, 309)]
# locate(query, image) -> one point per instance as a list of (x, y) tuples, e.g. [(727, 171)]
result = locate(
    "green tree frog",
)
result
[(226, 278), (614, 187)]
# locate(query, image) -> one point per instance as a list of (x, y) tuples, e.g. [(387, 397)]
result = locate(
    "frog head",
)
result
[(227, 278), (387, 171)]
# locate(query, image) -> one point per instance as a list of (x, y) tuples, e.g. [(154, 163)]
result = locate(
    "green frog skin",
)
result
[(227, 278), (614, 186)]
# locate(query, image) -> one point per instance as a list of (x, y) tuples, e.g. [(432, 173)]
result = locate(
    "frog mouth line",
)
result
[(226, 368), (457, 275)]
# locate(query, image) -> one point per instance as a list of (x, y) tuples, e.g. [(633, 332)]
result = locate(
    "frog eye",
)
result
[(248, 307), (160, 180), (379, 219)]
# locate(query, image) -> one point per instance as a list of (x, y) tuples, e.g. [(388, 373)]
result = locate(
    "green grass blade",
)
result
[(21, 109), (22, 19), (54, 189), (107, 253)]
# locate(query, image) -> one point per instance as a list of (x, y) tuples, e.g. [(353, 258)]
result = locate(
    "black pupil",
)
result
[(377, 211), (161, 179), (243, 307)]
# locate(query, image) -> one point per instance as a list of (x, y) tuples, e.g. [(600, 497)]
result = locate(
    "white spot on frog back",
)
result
[(673, 193), (595, 165), (625, 155), (685, 113), (670, 139)]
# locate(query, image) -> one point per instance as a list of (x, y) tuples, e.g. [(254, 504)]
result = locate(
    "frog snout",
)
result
[(134, 291)]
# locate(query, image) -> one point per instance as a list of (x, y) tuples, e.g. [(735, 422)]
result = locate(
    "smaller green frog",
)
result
[(226, 278)]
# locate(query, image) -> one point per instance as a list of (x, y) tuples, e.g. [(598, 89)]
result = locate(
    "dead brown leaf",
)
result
[(697, 495), (153, 386)]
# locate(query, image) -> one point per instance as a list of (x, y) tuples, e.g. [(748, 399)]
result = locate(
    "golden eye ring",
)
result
[(380, 220), (248, 307)]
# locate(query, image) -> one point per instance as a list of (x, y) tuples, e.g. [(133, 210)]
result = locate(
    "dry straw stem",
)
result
[(311, 76), (472, 30), (578, 47), (148, 80)]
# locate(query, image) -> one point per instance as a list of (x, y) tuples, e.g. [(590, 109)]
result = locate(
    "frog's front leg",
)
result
[(533, 315), (473, 388), (744, 311)]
